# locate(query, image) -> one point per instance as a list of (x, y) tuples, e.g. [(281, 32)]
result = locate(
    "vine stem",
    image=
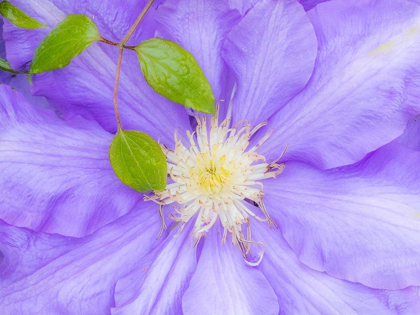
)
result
[(121, 46), (117, 79), (109, 42)]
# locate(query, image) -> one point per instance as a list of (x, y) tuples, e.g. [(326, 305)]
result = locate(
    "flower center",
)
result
[(211, 175), (217, 176)]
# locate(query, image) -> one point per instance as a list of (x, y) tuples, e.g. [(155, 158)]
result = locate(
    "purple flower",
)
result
[(337, 84)]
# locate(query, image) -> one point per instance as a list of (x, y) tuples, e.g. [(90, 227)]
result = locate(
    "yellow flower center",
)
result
[(212, 175)]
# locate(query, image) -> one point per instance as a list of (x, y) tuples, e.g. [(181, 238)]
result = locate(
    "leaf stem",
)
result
[(117, 79), (109, 42), (121, 45), (137, 22), (130, 47)]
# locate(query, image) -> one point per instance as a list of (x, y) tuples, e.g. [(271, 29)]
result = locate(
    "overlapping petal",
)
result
[(85, 87), (242, 5), (364, 88), (223, 283), (360, 222), (18, 82), (302, 290), (52, 274), (310, 4), (271, 52), (411, 136), (157, 283), (56, 175)]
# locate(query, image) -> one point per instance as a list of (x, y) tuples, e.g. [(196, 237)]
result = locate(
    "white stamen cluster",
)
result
[(217, 177)]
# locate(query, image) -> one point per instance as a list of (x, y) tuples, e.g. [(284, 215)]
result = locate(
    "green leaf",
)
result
[(67, 40), (138, 160), (5, 65), (174, 73), (18, 17)]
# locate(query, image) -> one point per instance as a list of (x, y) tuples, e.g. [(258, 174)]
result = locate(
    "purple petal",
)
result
[(56, 176), (224, 284), (310, 4), (411, 136), (415, 1), (360, 222), (364, 88), (2, 44), (272, 53), (51, 274), (85, 87), (20, 83), (200, 27), (157, 283), (302, 290), (242, 5)]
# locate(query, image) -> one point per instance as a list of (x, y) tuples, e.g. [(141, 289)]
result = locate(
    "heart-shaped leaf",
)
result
[(174, 73), (138, 160), (67, 40), (18, 17)]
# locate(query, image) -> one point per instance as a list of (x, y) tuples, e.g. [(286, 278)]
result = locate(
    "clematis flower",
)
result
[(336, 85)]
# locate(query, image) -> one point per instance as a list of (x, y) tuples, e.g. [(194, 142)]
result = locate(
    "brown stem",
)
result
[(136, 23), (117, 79), (130, 47), (109, 42)]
